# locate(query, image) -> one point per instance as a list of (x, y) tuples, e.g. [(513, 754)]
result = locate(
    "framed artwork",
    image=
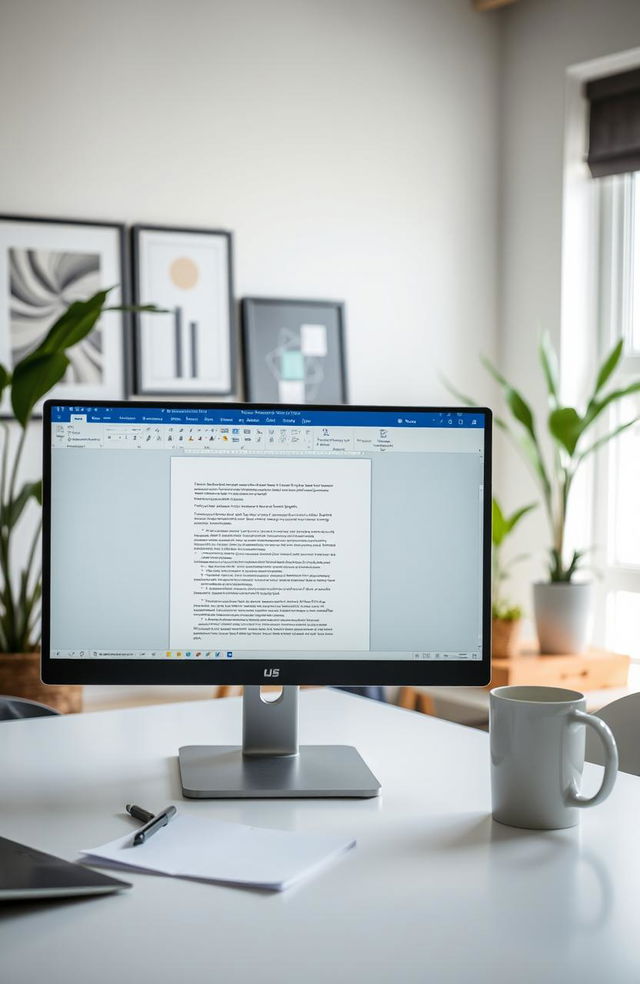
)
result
[(190, 350), (45, 264), (293, 351)]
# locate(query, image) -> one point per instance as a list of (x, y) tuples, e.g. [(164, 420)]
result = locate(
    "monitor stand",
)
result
[(270, 763)]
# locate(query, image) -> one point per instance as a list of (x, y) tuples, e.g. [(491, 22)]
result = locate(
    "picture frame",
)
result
[(45, 264), (293, 351), (190, 350)]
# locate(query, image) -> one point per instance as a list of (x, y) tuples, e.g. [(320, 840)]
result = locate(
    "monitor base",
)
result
[(223, 772)]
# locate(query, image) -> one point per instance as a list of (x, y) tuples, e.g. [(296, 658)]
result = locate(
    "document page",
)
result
[(231, 853), (270, 553)]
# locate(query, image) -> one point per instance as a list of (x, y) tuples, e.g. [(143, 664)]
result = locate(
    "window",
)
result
[(617, 474)]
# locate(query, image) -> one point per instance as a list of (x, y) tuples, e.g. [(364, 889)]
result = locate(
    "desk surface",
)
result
[(434, 890)]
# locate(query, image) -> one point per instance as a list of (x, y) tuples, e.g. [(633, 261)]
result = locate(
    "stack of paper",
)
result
[(216, 851)]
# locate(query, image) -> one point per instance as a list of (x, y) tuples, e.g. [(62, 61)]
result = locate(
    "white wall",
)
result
[(349, 144), (540, 40)]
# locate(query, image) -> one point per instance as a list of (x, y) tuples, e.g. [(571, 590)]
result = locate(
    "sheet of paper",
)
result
[(270, 553), (231, 853)]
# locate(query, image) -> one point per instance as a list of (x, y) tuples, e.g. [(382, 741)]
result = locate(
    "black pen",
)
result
[(160, 820), (139, 813)]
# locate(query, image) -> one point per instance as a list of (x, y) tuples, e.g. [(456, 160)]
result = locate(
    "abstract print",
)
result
[(299, 373), (42, 284)]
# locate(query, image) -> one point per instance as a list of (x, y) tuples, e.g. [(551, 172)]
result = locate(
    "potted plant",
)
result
[(561, 604), (506, 617), (32, 378)]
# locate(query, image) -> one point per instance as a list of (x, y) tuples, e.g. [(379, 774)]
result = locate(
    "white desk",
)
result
[(434, 891)]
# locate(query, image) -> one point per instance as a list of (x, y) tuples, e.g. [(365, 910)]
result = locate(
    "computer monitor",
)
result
[(200, 543)]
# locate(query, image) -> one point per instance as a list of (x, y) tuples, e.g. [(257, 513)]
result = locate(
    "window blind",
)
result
[(614, 124)]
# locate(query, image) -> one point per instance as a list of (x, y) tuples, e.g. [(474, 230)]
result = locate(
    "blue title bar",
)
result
[(219, 416)]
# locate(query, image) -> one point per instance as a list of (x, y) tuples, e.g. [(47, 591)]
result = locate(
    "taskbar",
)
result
[(260, 655)]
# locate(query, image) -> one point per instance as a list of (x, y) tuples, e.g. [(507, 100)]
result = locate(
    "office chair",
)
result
[(623, 717), (17, 708)]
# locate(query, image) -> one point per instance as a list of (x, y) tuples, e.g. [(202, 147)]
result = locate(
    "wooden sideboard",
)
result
[(594, 673)]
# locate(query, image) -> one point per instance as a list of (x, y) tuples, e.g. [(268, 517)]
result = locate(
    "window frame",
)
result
[(618, 279)]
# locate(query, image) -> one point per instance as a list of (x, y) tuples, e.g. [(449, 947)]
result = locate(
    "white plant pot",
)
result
[(562, 613)]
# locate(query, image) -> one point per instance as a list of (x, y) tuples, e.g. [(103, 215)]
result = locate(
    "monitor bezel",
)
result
[(360, 672)]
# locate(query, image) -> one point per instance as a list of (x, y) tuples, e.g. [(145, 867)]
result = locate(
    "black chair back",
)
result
[(17, 708)]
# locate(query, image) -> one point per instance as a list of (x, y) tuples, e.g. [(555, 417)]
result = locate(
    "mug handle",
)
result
[(574, 798)]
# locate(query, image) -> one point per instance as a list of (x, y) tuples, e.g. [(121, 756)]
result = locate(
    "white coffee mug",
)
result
[(537, 756)]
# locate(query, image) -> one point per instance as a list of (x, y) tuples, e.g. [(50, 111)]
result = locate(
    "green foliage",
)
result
[(503, 525), (565, 426), (10, 512), (32, 378), (5, 379), (561, 573), (549, 363), (609, 366), (506, 612), (501, 528), (75, 324), (571, 435)]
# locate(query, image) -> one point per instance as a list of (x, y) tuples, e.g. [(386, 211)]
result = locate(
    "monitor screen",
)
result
[(222, 542)]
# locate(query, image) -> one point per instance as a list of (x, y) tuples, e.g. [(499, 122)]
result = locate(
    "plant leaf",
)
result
[(11, 513), (519, 514), (531, 452), (138, 308), (498, 524), (516, 403), (503, 425), (32, 378), (461, 397), (75, 324), (558, 572), (502, 525), (596, 407), (516, 560), (607, 437), (549, 363), (575, 563), (528, 443), (566, 426), (5, 379), (608, 366)]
